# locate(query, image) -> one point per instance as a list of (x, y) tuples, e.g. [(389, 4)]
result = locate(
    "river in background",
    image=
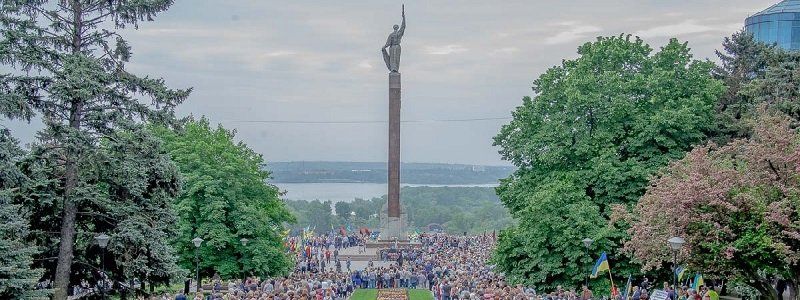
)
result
[(337, 192)]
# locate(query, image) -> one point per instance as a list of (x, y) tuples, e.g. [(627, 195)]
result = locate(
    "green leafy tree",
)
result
[(736, 206), (17, 277), (225, 198), (315, 215), (598, 127), (342, 210), (68, 66)]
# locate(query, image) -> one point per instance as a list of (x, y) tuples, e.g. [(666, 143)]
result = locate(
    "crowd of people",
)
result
[(642, 291), (450, 267)]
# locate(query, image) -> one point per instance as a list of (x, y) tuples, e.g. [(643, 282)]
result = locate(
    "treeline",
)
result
[(371, 172), (455, 209), (630, 146)]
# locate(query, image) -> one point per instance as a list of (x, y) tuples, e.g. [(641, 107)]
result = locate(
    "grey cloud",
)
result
[(255, 60)]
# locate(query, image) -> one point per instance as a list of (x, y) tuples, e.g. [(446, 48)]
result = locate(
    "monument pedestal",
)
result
[(393, 228)]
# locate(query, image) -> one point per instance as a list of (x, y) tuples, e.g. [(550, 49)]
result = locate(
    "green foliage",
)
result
[(225, 198), (735, 205), (17, 278), (342, 210), (68, 66), (599, 126), (742, 59), (457, 209), (755, 74), (375, 172), (128, 196), (315, 215), (549, 234)]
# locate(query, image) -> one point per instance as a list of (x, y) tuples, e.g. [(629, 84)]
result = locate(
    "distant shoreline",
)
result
[(375, 172), (347, 192)]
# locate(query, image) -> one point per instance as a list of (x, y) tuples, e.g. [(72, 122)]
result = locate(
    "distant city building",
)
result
[(779, 24)]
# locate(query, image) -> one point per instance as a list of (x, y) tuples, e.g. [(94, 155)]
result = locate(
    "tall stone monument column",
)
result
[(394, 145), (393, 227)]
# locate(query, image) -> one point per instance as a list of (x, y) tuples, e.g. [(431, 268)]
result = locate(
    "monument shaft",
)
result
[(394, 145)]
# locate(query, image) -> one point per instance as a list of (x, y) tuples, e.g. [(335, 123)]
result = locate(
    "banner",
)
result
[(659, 295), (392, 294)]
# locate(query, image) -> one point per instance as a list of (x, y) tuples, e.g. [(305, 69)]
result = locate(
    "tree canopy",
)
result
[(17, 279), (735, 205), (598, 127), (734, 199), (225, 198), (68, 67)]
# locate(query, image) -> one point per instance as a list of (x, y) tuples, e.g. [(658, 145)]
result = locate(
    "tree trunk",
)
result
[(768, 291), (67, 237), (67, 241)]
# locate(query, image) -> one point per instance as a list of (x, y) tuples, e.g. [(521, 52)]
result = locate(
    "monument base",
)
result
[(394, 229)]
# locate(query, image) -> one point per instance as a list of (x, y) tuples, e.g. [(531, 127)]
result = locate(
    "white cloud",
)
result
[(505, 50), (685, 27), (574, 31), (279, 53), (365, 64), (445, 50)]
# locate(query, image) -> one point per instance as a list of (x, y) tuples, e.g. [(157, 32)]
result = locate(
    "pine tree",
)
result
[(17, 278), (742, 60), (69, 68)]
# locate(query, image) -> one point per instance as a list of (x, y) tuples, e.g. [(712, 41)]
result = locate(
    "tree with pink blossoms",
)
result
[(737, 207)]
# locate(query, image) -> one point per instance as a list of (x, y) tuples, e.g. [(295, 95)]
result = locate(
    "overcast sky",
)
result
[(256, 60)]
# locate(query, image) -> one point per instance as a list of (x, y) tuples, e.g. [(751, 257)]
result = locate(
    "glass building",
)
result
[(778, 24)]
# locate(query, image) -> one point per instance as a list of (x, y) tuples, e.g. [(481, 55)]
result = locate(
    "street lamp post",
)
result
[(197, 242), (244, 245), (587, 242), (675, 243), (102, 241)]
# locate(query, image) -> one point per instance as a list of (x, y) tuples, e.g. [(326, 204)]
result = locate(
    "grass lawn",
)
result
[(370, 294)]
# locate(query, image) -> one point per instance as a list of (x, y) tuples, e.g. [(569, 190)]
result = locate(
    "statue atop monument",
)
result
[(392, 56)]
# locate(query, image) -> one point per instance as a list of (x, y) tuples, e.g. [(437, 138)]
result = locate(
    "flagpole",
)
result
[(612, 282)]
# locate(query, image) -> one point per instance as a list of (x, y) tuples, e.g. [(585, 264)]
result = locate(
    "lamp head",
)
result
[(197, 241), (102, 240), (676, 243)]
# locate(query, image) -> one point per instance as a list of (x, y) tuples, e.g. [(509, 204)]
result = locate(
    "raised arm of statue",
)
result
[(402, 25)]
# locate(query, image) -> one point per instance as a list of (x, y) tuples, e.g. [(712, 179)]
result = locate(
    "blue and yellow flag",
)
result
[(698, 281), (600, 265), (680, 272)]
